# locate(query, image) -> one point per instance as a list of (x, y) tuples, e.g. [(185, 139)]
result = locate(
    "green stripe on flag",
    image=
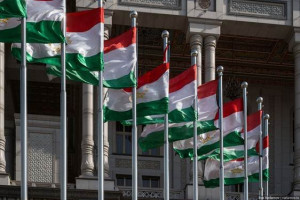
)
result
[(147, 108), (156, 139), (12, 8), (37, 32), (123, 82), (232, 181)]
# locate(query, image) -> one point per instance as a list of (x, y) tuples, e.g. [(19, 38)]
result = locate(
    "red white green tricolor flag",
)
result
[(83, 52), (234, 169), (12, 8), (152, 96), (153, 135), (43, 21), (182, 91), (207, 142), (234, 150)]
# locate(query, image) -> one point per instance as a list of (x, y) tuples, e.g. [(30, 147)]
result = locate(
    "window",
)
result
[(124, 180), (151, 181), (152, 152), (123, 139)]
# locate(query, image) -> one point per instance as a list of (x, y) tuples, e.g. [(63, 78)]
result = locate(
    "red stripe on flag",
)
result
[(122, 41), (207, 89), (265, 143), (84, 20), (231, 107), (254, 120), (151, 76), (183, 79)]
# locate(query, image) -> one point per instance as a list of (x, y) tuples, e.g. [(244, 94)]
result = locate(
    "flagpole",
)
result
[(165, 37), (23, 121), (259, 101), (100, 121), (194, 55), (63, 115), (266, 133), (220, 70), (244, 87), (133, 16)]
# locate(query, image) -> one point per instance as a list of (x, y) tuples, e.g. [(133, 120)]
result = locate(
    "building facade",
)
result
[(257, 41)]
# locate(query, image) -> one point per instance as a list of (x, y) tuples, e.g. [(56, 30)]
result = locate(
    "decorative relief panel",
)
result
[(142, 164), (167, 4), (40, 158), (262, 8)]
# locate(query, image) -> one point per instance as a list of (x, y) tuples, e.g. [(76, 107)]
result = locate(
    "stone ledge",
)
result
[(91, 183), (166, 4)]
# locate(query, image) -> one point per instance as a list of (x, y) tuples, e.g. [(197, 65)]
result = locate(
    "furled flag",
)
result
[(181, 99), (233, 150), (152, 96), (153, 134), (119, 57), (43, 23), (207, 142), (234, 169), (12, 8)]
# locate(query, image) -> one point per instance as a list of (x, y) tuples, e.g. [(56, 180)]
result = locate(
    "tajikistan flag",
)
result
[(12, 8), (182, 91), (234, 169), (207, 142), (152, 96), (43, 23), (233, 150), (153, 135)]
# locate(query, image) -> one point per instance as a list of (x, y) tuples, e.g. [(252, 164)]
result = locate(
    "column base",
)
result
[(4, 179), (203, 193), (91, 183)]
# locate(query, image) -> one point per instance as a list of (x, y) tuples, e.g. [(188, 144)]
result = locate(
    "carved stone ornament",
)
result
[(259, 8), (167, 4), (204, 4)]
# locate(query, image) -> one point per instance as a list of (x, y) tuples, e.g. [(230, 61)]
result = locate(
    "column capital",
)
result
[(210, 41), (295, 41), (203, 27), (108, 14), (196, 40)]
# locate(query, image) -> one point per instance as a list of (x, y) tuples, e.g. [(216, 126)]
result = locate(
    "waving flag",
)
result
[(152, 96), (43, 23), (234, 169)]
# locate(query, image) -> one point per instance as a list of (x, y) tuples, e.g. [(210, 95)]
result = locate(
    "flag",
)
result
[(207, 142), (152, 96), (153, 134), (234, 169), (181, 98), (43, 23), (119, 58), (12, 8)]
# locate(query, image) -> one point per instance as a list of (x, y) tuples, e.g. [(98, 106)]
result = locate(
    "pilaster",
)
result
[(210, 43)]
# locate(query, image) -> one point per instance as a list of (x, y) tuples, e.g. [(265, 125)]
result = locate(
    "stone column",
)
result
[(87, 142), (296, 50), (2, 136), (210, 57), (196, 44)]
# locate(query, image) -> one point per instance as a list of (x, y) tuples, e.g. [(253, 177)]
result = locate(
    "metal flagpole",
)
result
[(194, 55), (220, 70), (100, 120), (63, 116), (266, 133), (23, 91), (261, 189), (133, 16), (165, 37), (244, 87)]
